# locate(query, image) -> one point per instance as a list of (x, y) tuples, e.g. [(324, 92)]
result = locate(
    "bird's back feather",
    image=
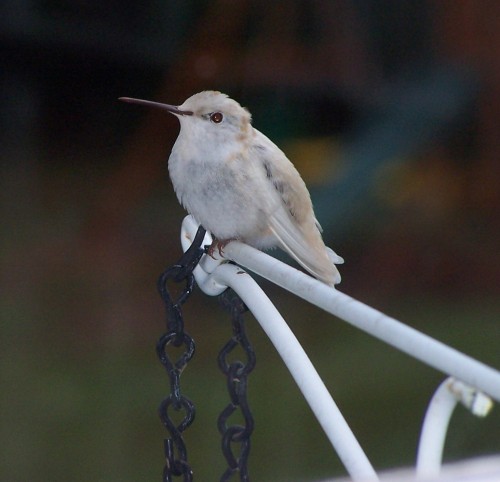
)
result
[(305, 247), (293, 223)]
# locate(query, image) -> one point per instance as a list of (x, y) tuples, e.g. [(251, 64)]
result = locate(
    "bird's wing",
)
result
[(293, 222), (308, 251)]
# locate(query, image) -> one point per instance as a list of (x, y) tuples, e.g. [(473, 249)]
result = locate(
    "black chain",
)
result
[(175, 449), (237, 373)]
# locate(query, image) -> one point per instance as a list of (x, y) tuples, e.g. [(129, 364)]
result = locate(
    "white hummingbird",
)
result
[(240, 186)]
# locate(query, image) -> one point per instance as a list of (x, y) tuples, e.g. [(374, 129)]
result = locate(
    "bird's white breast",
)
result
[(222, 188)]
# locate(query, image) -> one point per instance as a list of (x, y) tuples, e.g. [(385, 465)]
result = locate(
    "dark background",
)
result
[(390, 110)]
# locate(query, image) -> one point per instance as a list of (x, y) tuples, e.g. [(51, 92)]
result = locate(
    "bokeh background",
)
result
[(390, 110)]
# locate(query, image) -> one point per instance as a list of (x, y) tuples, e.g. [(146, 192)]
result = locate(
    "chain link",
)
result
[(234, 437), (174, 447), (236, 373)]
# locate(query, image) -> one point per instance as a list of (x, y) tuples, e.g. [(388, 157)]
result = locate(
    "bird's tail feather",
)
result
[(309, 251)]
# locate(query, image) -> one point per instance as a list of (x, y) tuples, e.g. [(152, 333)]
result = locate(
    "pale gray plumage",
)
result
[(239, 185)]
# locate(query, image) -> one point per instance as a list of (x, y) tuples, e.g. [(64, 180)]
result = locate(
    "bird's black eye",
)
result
[(216, 117)]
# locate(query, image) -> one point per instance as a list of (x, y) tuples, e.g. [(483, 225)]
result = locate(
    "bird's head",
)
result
[(208, 117)]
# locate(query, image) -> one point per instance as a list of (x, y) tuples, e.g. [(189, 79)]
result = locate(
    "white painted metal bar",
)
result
[(432, 438), (437, 418), (302, 370), (214, 277), (407, 339)]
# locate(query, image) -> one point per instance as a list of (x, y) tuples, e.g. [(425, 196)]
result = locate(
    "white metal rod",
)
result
[(437, 418), (383, 327), (301, 368), (434, 428)]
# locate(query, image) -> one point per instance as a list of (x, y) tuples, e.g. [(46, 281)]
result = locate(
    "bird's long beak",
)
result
[(170, 108)]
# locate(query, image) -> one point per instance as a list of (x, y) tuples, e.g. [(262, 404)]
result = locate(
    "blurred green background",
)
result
[(389, 109)]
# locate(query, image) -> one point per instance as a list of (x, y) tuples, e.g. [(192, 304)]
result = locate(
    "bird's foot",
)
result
[(219, 245)]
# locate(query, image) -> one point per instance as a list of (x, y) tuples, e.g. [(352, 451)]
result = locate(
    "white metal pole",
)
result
[(432, 438), (213, 276), (383, 327), (301, 368), (437, 418)]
